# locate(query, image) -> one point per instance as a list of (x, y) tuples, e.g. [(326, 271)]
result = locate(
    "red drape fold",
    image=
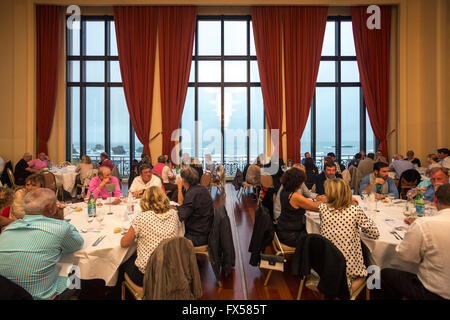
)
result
[(303, 30), (373, 56), (268, 44), (136, 29), (48, 42), (176, 41)]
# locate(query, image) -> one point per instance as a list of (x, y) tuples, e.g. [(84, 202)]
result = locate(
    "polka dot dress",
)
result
[(342, 228), (150, 229)]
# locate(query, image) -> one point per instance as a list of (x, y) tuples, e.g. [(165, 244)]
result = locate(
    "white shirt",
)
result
[(139, 185), (427, 243), (167, 174), (446, 162)]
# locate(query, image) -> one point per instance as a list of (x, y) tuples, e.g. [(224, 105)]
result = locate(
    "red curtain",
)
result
[(268, 43), (373, 53), (48, 42), (176, 41), (136, 29), (303, 29)]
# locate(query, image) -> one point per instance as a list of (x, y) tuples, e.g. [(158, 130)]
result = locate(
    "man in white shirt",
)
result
[(426, 243), (144, 181)]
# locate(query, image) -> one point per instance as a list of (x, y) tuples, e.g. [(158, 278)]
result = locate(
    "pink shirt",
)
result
[(95, 182), (158, 168), (38, 164)]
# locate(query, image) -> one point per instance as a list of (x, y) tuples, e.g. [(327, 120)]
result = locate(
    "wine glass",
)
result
[(390, 199), (99, 217)]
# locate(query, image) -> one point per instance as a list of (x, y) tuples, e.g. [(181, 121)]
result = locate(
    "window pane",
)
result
[(209, 38), (74, 46), (113, 45), (350, 127), (114, 70), (257, 133), (95, 71), (209, 71), (347, 40), (235, 38), (329, 43), (95, 38), (325, 121), (327, 71), (192, 72), (254, 72), (252, 41), (349, 71), (120, 131), (138, 148), (370, 137), (209, 114), (75, 122), (305, 142), (235, 126), (235, 71), (95, 120), (188, 123), (73, 71)]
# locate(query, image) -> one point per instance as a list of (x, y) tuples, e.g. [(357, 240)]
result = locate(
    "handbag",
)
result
[(272, 262)]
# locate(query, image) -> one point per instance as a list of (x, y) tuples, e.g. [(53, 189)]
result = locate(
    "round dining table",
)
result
[(389, 219), (66, 177), (101, 255)]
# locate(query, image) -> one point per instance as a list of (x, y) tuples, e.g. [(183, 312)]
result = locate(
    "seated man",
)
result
[(444, 157), (426, 243), (40, 163), (399, 165), (196, 208), (30, 263), (23, 170), (144, 181), (168, 178), (438, 177), (105, 162), (415, 161), (379, 181), (97, 185), (329, 172)]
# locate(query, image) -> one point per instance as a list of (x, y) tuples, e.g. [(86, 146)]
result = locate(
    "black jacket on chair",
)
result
[(316, 252), (320, 179), (220, 245), (262, 234), (9, 290)]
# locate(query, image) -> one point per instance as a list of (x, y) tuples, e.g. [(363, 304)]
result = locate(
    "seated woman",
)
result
[(292, 221), (341, 221), (84, 168), (210, 166), (32, 182), (155, 223)]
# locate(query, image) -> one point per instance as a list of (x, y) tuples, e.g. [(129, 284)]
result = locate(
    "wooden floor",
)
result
[(246, 282)]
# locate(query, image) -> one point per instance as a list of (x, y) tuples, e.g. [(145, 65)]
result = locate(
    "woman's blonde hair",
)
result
[(154, 199), (86, 159), (338, 193)]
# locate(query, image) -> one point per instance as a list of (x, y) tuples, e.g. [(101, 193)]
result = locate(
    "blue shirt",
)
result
[(391, 186), (399, 166), (29, 250)]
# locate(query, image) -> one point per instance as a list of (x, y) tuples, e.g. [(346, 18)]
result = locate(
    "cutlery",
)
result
[(98, 240), (395, 235)]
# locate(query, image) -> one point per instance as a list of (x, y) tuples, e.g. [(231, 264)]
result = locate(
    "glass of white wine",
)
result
[(100, 215)]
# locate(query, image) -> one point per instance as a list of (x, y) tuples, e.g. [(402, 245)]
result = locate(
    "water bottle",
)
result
[(419, 204), (130, 205), (92, 206), (49, 165)]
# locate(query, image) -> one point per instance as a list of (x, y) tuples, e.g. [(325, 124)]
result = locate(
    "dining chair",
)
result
[(219, 183), (11, 178), (135, 290), (50, 182), (266, 183), (203, 251), (280, 250), (206, 179)]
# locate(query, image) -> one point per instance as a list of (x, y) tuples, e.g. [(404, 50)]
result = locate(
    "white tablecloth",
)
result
[(67, 178), (103, 260), (382, 250)]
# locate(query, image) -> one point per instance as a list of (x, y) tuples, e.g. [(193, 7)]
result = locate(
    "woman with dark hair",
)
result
[(311, 172), (292, 221)]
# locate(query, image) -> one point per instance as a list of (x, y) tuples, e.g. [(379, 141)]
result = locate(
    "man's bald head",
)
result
[(104, 172), (40, 201)]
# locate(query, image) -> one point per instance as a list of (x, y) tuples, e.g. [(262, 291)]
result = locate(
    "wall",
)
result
[(420, 87)]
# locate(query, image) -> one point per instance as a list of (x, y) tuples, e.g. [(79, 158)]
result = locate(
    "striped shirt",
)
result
[(29, 250)]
